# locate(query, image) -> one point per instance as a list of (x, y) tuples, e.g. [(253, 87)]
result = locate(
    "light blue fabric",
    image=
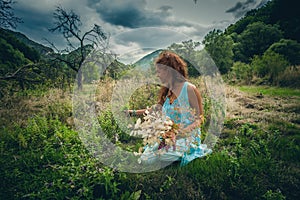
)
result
[(188, 148)]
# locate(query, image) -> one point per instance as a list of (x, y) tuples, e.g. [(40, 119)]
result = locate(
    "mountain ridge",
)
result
[(41, 49)]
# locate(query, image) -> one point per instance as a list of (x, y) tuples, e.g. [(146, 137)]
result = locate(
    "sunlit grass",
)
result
[(271, 91)]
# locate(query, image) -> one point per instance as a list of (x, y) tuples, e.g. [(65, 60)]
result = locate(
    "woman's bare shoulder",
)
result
[(193, 90), (191, 87)]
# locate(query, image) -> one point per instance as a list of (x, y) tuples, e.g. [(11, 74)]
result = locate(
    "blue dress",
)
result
[(187, 148)]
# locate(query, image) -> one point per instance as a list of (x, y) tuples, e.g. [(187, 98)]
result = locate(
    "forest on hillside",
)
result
[(261, 48), (256, 157)]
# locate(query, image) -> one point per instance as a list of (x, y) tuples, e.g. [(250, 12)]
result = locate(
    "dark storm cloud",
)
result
[(236, 8), (241, 8), (165, 8), (34, 19), (127, 17), (35, 23), (38, 18), (131, 13), (121, 15)]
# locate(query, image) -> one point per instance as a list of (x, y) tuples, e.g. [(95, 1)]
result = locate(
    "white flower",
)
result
[(138, 123), (152, 128), (147, 112), (168, 141), (136, 153), (160, 126)]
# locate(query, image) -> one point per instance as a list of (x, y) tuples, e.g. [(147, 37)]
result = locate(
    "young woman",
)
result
[(181, 101)]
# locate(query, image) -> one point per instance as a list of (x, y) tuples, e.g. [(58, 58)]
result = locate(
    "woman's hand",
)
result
[(128, 113), (169, 134), (192, 126), (134, 113)]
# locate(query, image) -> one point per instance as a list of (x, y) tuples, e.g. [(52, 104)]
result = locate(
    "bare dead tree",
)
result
[(69, 25), (7, 16)]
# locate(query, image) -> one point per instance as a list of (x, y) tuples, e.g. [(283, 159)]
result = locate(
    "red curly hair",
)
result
[(171, 59)]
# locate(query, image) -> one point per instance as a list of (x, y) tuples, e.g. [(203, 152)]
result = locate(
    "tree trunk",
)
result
[(79, 79)]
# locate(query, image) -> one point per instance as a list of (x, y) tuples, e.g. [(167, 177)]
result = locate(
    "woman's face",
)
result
[(162, 73)]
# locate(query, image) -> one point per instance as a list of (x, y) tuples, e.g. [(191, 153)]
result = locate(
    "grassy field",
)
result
[(256, 156), (272, 91)]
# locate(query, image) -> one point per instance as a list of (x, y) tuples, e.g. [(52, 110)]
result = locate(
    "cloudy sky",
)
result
[(134, 25)]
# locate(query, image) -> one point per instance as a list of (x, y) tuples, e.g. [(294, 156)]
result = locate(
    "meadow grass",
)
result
[(271, 91), (43, 158)]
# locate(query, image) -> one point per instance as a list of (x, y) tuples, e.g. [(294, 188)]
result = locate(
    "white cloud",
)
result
[(133, 44)]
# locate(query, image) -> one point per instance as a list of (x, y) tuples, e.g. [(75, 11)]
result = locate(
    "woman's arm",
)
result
[(135, 112)]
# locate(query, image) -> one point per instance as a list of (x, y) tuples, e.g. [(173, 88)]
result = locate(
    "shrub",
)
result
[(242, 72), (270, 65), (290, 77)]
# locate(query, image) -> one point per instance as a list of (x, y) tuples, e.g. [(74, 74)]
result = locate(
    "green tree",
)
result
[(240, 25), (255, 40), (220, 48), (290, 49), (187, 50), (285, 13)]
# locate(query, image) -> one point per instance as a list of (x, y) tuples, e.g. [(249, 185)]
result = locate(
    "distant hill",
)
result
[(15, 53), (41, 49), (147, 60)]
